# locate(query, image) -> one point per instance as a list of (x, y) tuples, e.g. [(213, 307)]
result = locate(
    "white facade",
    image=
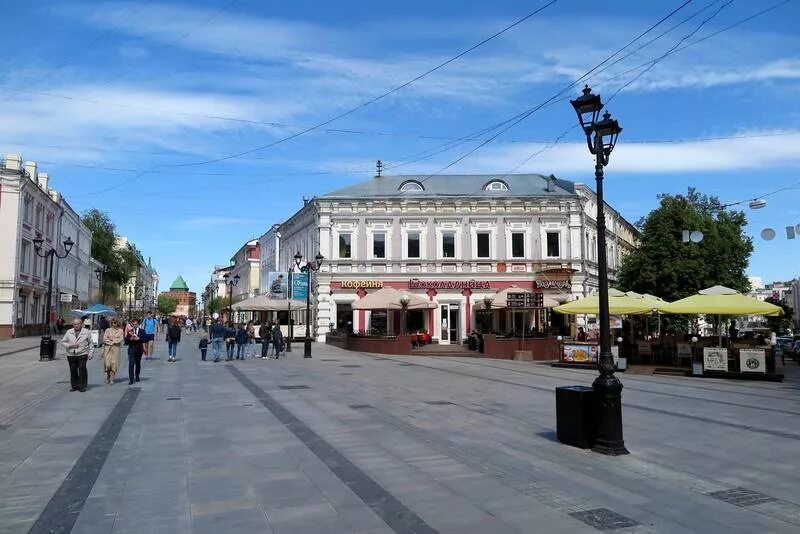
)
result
[(29, 208), (73, 274), (246, 265), (269, 246), (452, 239)]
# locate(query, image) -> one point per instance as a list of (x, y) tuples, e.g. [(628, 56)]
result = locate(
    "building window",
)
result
[(411, 185), (484, 250), (23, 257), (23, 306), (496, 185), (345, 250), (413, 246), (378, 245), (553, 244), (26, 209), (39, 211), (35, 265), (518, 245), (449, 245), (49, 227)]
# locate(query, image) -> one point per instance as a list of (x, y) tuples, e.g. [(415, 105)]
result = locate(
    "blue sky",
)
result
[(98, 92)]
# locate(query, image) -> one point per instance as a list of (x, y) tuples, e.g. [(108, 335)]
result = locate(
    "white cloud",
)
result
[(639, 158)]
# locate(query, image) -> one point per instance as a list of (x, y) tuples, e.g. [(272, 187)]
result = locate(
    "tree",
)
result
[(120, 263), (781, 323), (213, 305), (166, 304), (665, 266)]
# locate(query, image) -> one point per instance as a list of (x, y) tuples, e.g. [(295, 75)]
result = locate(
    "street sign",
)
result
[(525, 300), (65, 297)]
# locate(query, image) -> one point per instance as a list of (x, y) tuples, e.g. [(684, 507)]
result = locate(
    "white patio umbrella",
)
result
[(389, 298)]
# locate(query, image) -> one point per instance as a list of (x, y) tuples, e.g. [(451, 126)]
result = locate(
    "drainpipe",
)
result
[(583, 245), (18, 247)]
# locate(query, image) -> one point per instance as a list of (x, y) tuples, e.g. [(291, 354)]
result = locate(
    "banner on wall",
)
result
[(752, 361), (715, 359), (580, 353), (299, 286), (278, 284)]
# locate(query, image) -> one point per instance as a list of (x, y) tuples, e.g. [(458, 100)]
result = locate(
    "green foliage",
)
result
[(121, 264), (665, 266), (783, 323), (166, 304), (213, 305)]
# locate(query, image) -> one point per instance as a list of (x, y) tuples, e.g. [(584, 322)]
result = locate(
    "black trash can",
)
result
[(47, 348), (575, 424)]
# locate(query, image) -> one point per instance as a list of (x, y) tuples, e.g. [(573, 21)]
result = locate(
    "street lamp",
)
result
[(37, 247), (601, 136), (101, 274), (404, 300), (133, 292), (230, 282), (308, 268), (487, 314)]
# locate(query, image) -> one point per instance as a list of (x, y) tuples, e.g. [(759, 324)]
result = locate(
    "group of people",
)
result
[(242, 340)]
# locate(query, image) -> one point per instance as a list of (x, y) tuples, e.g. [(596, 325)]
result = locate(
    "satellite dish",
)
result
[(757, 203), (767, 234), (696, 236)]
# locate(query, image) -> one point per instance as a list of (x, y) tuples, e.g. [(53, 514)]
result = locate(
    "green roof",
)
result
[(179, 285)]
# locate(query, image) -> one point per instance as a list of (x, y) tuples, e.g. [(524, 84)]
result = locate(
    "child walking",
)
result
[(203, 347)]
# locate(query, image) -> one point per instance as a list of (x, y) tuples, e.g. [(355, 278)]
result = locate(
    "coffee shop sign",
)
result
[(552, 284), (416, 283)]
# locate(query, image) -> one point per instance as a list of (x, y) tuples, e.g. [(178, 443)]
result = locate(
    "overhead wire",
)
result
[(351, 110)]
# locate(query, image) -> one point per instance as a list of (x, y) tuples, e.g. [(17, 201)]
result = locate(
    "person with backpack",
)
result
[(265, 333), (230, 340), (241, 343), (250, 350), (277, 340), (218, 333), (173, 338)]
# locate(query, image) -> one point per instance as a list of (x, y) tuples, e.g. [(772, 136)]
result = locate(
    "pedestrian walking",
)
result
[(149, 325), (218, 332), (112, 343), (241, 342), (251, 340), (173, 338), (265, 333), (78, 343), (203, 347), (60, 325), (230, 340), (189, 324), (277, 340), (135, 341)]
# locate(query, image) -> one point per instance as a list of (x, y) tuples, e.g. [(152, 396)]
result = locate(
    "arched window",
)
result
[(411, 185), (496, 185)]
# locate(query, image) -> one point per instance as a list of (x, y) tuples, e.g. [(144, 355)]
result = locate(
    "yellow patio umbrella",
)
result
[(720, 300), (618, 304)]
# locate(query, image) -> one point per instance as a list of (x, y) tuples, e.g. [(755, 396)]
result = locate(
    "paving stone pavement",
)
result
[(348, 442)]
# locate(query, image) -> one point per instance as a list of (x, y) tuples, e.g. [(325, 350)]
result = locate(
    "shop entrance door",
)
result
[(450, 328)]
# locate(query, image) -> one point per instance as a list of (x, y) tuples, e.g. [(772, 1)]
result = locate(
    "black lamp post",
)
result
[(601, 136), (308, 268), (101, 274), (133, 292), (230, 282), (404, 300), (37, 247)]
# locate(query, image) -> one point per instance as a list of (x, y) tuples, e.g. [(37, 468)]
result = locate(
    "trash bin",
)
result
[(575, 424), (47, 348)]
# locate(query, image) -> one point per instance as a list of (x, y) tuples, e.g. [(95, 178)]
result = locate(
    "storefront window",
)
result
[(449, 245), (483, 245), (553, 245), (345, 250), (413, 245), (518, 245), (379, 245)]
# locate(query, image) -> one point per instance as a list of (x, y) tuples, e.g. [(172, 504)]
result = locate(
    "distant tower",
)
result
[(378, 168)]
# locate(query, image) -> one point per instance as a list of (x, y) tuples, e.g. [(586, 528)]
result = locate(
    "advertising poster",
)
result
[(299, 286), (580, 353), (278, 285), (715, 359), (752, 361)]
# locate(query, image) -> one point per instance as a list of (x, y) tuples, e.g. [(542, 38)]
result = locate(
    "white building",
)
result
[(246, 264), (269, 247), (29, 208), (454, 240)]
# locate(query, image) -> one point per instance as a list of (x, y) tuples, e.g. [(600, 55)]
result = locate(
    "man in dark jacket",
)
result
[(241, 343), (217, 338), (277, 340), (265, 333), (173, 338), (135, 340)]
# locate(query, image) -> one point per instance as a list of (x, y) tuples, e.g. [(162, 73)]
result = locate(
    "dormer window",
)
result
[(411, 186), (496, 185)]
